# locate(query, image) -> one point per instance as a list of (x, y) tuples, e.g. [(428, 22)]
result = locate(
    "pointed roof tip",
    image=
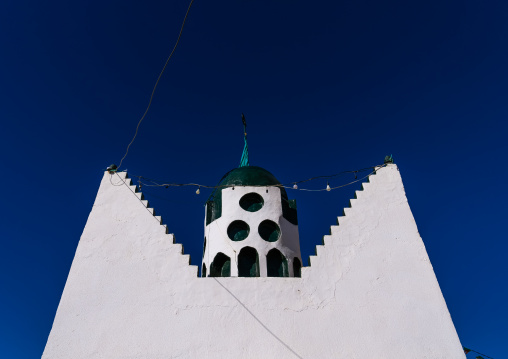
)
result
[(112, 169), (389, 159), (244, 161)]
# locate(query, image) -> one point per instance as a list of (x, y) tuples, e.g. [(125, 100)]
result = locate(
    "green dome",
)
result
[(249, 176)]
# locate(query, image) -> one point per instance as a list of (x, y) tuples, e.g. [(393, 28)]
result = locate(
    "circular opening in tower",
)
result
[(238, 230), (252, 202), (269, 230)]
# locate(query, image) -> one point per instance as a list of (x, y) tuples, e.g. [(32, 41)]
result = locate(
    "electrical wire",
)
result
[(134, 193), (332, 188), (111, 181), (157, 83), (154, 183), (335, 175), (474, 351)]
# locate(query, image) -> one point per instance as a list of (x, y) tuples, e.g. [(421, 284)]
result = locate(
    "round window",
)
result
[(238, 230), (269, 230), (251, 202)]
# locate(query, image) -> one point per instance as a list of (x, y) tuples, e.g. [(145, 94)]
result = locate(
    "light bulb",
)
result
[(197, 191), (295, 186), (328, 187)]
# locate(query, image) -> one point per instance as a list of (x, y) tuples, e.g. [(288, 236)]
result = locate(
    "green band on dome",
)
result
[(249, 176)]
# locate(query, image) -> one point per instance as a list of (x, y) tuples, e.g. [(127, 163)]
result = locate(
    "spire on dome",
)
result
[(244, 162)]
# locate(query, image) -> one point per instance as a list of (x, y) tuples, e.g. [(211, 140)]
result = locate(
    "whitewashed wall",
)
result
[(371, 291)]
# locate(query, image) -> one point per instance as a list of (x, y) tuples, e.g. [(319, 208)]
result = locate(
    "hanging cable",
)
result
[(156, 83), (328, 188), (145, 181), (467, 350), (139, 198)]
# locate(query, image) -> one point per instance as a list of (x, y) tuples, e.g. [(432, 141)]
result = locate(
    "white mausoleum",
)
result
[(370, 292), (251, 228)]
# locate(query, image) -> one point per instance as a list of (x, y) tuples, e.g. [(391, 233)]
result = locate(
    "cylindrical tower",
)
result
[(251, 228)]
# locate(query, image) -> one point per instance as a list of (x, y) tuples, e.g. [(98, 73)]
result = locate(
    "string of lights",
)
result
[(328, 188), (148, 182)]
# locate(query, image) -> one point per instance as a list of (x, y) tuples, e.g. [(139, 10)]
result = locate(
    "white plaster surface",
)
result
[(370, 293), (218, 241)]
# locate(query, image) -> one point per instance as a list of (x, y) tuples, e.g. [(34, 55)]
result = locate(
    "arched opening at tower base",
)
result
[(276, 264), (248, 263), (221, 266), (297, 268)]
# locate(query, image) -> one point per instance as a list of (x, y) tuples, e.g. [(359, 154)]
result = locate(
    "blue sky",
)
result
[(326, 86)]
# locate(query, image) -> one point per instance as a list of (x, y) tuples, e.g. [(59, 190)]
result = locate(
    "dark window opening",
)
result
[(297, 268), (251, 202), (238, 230), (221, 266), (289, 208), (269, 230), (203, 271), (248, 263), (276, 264)]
